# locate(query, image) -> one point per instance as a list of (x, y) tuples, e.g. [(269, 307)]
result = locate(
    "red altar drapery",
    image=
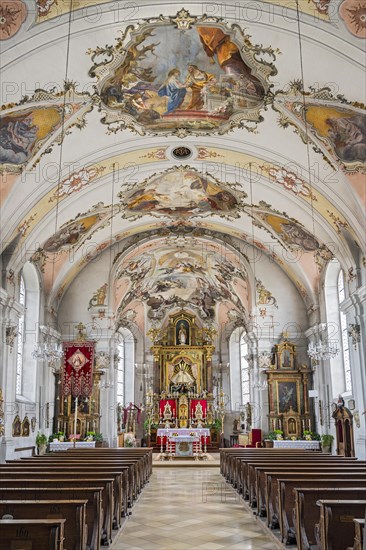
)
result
[(194, 403), (173, 406), (77, 369)]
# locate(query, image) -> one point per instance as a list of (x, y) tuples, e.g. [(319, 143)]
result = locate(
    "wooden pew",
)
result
[(73, 511), (247, 483), (336, 525), (286, 489), (307, 512), (359, 533), (43, 534), (120, 500), (74, 471), (268, 478), (62, 479), (40, 491)]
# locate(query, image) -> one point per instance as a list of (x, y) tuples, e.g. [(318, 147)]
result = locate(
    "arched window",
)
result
[(125, 375), (344, 334), (340, 365), (20, 349), (244, 369), (28, 325)]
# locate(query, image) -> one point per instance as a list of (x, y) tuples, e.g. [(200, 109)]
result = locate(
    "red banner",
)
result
[(77, 371)]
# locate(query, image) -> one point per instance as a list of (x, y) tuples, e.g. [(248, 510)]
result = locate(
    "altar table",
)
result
[(163, 432), (309, 445), (63, 446)]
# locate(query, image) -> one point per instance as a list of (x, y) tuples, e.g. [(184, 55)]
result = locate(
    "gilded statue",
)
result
[(99, 297)]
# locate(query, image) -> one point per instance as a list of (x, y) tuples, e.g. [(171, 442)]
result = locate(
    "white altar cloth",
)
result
[(309, 445), (63, 446), (163, 432)]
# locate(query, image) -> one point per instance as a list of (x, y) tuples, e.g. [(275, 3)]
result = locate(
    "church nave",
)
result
[(184, 508)]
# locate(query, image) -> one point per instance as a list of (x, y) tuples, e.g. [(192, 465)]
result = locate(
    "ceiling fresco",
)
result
[(195, 273), (336, 126), (211, 78), (182, 192), (27, 131), (181, 231)]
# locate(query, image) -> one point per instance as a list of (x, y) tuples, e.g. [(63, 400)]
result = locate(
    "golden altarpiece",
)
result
[(288, 392), (182, 353)]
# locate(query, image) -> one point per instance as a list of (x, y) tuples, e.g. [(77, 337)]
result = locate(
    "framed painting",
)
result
[(287, 396)]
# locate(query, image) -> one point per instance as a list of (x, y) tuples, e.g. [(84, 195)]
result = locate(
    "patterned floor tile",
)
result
[(190, 508)]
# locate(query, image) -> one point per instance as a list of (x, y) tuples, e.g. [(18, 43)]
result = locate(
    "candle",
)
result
[(303, 425)]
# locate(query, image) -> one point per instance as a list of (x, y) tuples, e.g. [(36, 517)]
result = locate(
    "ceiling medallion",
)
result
[(210, 80), (182, 153)]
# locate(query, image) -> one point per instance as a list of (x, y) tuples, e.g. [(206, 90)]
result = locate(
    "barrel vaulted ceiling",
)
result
[(163, 129)]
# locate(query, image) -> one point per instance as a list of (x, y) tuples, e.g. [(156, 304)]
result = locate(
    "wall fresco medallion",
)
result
[(336, 126), (210, 79)]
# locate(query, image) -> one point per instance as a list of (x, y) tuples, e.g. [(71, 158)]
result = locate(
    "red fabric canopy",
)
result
[(77, 369)]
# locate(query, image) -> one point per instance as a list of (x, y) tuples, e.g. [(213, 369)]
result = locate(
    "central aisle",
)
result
[(185, 508)]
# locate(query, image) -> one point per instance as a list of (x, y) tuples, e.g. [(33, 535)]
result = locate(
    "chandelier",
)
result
[(260, 385), (322, 350), (48, 347)]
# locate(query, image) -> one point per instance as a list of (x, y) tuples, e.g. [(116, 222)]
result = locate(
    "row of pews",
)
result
[(315, 501), (70, 500)]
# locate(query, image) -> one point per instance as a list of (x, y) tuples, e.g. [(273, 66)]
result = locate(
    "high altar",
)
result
[(183, 374)]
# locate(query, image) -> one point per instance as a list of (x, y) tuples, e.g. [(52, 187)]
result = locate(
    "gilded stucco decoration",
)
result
[(30, 128), (211, 79), (181, 192), (336, 126)]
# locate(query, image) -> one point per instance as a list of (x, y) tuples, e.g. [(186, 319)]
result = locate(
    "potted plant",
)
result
[(98, 438), (41, 442), (327, 440), (268, 441)]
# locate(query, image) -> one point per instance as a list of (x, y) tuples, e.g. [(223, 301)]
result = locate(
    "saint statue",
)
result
[(182, 375), (182, 334)]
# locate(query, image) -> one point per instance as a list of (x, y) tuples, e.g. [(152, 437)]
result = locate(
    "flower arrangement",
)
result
[(175, 434), (192, 434), (130, 440), (308, 435), (293, 438)]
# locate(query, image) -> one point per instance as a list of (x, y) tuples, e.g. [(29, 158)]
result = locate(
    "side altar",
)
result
[(182, 396)]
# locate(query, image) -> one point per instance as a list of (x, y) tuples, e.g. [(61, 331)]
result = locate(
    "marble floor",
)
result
[(185, 508)]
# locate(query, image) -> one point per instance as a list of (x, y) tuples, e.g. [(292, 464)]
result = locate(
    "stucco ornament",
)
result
[(13, 13), (353, 13)]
